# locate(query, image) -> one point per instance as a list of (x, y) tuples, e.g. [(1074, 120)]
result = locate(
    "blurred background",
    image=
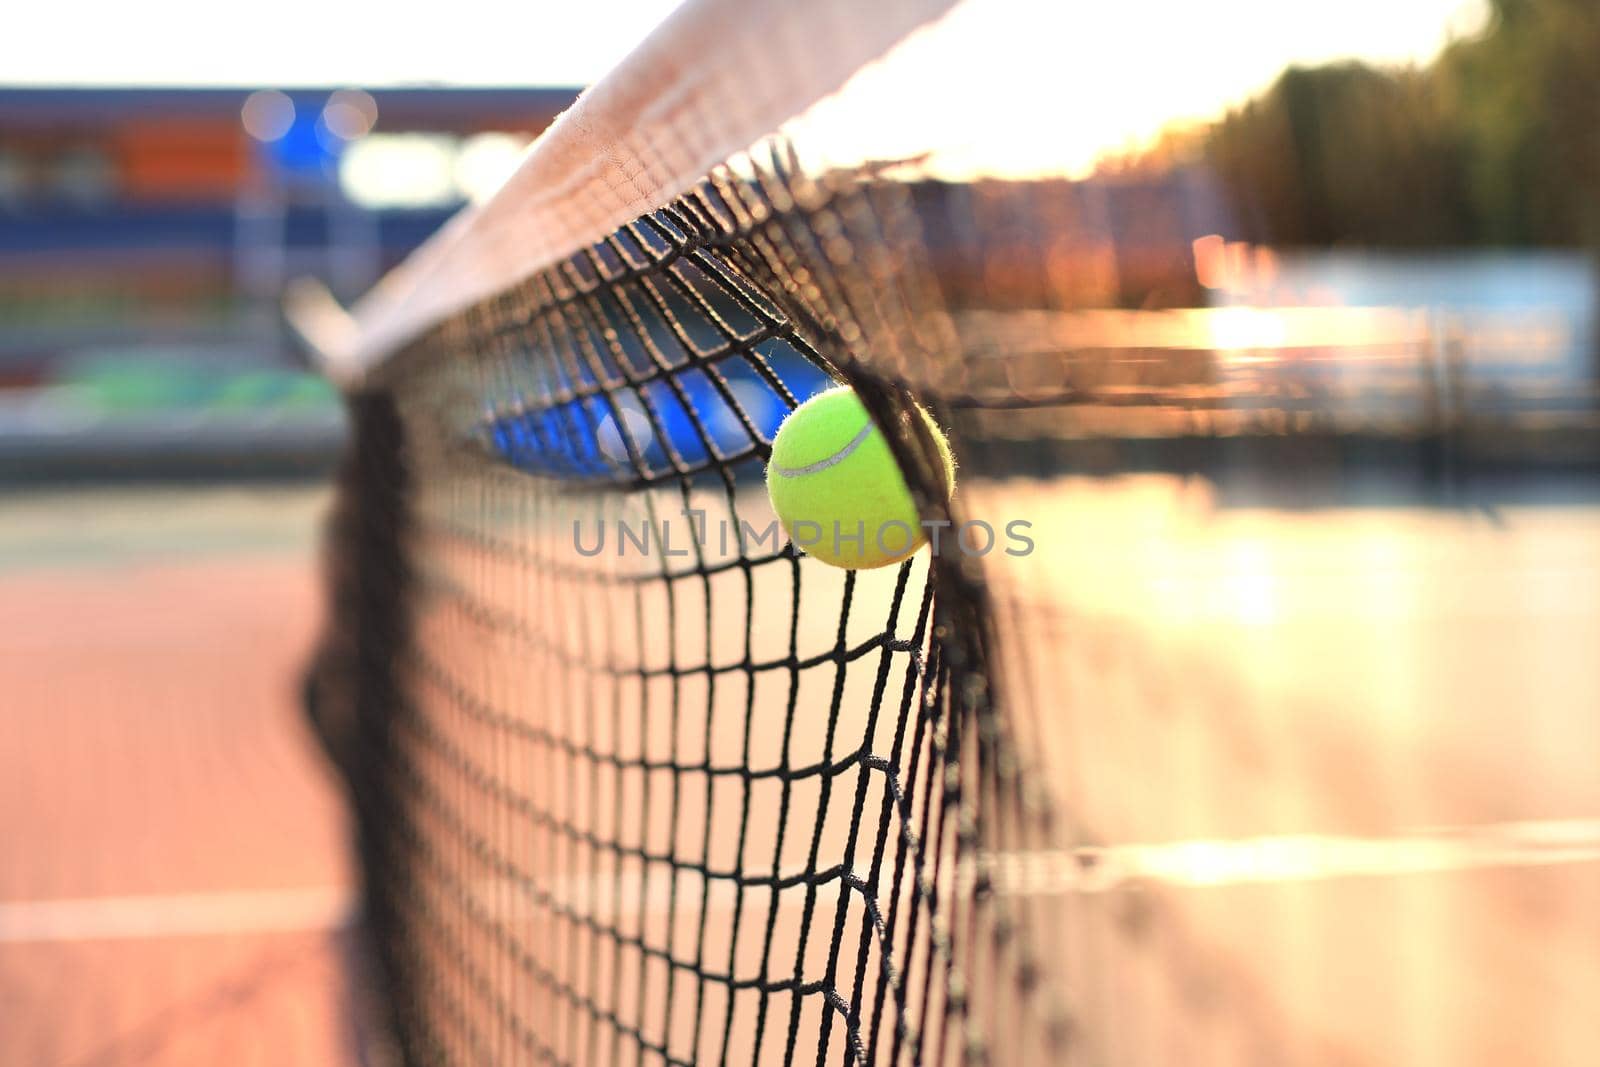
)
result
[(1342, 260), (148, 235), (175, 886)]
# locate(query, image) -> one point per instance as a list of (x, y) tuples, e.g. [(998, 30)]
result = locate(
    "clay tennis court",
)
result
[(1276, 812), (174, 885)]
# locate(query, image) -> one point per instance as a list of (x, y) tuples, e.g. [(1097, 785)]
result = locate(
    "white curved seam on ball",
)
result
[(827, 461)]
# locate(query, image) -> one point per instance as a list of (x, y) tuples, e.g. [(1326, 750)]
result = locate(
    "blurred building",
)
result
[(160, 224)]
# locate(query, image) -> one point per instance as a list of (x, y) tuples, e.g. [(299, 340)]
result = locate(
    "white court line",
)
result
[(1298, 857), (1193, 864), (263, 911)]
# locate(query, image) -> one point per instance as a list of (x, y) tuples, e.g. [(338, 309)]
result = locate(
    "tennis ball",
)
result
[(837, 488)]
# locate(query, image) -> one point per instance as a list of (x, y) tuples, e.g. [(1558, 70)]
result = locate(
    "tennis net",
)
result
[(636, 782), (705, 805)]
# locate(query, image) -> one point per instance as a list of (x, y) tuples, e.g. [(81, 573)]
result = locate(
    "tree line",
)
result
[(1495, 143)]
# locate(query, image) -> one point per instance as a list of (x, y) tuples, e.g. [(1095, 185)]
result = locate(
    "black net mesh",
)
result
[(636, 782)]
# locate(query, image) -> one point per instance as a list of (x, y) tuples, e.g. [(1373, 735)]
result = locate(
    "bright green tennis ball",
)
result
[(837, 489)]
